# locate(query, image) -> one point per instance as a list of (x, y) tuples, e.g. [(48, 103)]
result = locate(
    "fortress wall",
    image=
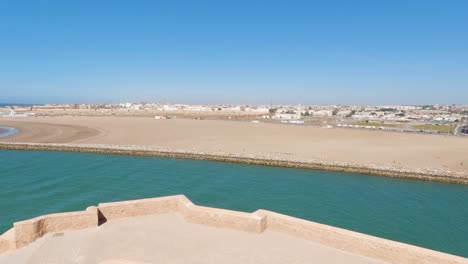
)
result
[(27, 231), (192, 213), (115, 210), (224, 218), (357, 243), (7, 241)]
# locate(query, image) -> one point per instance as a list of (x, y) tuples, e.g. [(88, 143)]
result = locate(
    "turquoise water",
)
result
[(431, 215)]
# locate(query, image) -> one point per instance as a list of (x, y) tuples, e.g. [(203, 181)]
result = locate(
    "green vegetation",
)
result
[(367, 123), (387, 109), (352, 113), (428, 107), (439, 128)]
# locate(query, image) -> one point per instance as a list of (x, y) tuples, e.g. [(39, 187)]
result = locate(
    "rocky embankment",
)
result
[(261, 159)]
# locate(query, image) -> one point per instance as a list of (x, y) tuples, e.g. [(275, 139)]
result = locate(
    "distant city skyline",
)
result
[(241, 52)]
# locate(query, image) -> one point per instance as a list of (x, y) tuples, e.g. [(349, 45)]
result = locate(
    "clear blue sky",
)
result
[(309, 52)]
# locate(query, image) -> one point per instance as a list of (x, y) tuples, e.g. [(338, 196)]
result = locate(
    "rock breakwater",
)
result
[(259, 159)]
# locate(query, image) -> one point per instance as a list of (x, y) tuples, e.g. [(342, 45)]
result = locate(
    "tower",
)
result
[(299, 112)]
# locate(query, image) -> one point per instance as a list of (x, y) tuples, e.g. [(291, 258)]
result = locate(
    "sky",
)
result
[(234, 52)]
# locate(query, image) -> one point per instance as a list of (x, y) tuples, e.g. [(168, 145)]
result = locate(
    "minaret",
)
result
[(299, 112)]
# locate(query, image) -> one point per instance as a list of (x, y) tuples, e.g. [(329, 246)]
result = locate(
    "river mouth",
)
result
[(416, 212), (7, 131)]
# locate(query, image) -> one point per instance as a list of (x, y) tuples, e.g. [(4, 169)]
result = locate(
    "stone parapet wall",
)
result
[(26, 232), (8, 241), (354, 242), (29, 230), (224, 218), (115, 210)]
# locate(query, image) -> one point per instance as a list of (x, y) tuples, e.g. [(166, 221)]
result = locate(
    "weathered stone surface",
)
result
[(8, 241), (361, 244), (27, 231), (110, 211)]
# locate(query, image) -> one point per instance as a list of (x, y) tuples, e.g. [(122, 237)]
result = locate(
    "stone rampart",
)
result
[(8, 241), (28, 231), (115, 210), (354, 242), (249, 222)]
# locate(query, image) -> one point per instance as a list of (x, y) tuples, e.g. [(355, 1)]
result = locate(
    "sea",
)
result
[(426, 214), (16, 104)]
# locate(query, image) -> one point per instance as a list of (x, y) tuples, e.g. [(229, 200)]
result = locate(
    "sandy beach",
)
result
[(305, 143), (45, 132)]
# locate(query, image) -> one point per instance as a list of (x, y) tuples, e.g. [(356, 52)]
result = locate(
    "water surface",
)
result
[(432, 215), (17, 104), (7, 131)]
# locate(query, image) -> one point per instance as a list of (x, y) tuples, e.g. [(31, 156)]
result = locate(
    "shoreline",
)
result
[(432, 175), (6, 131)]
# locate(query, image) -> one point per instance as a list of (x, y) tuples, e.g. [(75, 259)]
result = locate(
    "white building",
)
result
[(323, 113)]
